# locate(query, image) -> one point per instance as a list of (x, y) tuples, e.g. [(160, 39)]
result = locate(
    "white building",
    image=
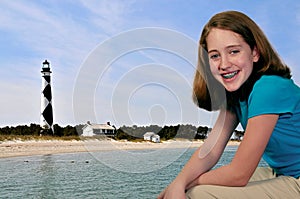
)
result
[(236, 137), (155, 138), (98, 129), (151, 136)]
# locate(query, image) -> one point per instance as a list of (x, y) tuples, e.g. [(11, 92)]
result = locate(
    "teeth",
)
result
[(229, 75)]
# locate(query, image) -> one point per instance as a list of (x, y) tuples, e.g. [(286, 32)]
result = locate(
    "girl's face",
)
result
[(230, 58)]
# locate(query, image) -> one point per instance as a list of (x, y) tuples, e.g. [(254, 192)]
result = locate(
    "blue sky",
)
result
[(142, 86)]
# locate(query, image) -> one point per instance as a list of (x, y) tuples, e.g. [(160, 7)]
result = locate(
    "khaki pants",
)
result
[(263, 184)]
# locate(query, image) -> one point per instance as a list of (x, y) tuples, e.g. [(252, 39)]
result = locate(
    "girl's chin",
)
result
[(232, 89)]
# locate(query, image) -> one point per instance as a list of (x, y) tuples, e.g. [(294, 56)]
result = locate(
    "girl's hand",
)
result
[(173, 191)]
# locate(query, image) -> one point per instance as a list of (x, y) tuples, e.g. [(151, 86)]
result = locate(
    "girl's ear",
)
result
[(255, 54)]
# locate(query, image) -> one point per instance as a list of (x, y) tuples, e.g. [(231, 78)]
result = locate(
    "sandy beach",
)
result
[(44, 147)]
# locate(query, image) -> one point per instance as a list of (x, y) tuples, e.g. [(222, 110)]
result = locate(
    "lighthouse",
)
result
[(46, 98)]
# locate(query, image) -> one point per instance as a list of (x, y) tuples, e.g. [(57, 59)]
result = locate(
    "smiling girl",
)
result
[(240, 75)]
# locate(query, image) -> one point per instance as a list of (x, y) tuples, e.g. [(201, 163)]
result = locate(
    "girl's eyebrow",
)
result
[(234, 46), (227, 47), (210, 51)]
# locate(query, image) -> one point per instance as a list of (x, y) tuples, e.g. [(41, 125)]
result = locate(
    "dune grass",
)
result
[(32, 137)]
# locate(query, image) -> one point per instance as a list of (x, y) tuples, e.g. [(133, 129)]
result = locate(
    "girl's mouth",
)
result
[(230, 75)]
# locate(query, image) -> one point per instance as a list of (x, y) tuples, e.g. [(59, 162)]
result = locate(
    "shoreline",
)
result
[(17, 148)]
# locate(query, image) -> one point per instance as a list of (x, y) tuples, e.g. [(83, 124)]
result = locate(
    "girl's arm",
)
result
[(205, 157), (248, 155)]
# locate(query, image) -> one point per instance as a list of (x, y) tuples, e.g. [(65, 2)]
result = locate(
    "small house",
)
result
[(98, 129), (237, 136), (151, 136), (155, 138)]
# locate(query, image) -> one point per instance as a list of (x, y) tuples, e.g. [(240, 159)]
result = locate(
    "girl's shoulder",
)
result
[(275, 83), (272, 78), (273, 94)]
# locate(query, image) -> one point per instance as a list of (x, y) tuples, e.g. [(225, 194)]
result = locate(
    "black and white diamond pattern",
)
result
[(47, 112)]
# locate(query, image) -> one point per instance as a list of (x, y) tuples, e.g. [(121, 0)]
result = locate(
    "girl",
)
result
[(235, 54)]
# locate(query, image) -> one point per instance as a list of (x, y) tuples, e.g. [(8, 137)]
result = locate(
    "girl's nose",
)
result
[(224, 64)]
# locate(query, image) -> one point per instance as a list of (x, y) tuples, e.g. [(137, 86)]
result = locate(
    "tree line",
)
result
[(131, 133), (167, 132), (37, 130)]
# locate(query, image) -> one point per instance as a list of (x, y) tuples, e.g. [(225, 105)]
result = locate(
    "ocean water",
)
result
[(110, 174)]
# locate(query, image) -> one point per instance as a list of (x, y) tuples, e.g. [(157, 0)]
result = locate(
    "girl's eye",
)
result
[(234, 51), (214, 56)]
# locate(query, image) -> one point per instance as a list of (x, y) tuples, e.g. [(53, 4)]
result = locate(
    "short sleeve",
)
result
[(272, 95)]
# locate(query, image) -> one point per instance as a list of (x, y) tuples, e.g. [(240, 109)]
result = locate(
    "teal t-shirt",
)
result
[(277, 95)]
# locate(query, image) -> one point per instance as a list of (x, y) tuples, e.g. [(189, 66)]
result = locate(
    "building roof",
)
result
[(149, 134), (99, 126)]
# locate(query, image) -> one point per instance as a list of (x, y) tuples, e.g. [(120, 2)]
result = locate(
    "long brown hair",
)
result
[(210, 94)]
